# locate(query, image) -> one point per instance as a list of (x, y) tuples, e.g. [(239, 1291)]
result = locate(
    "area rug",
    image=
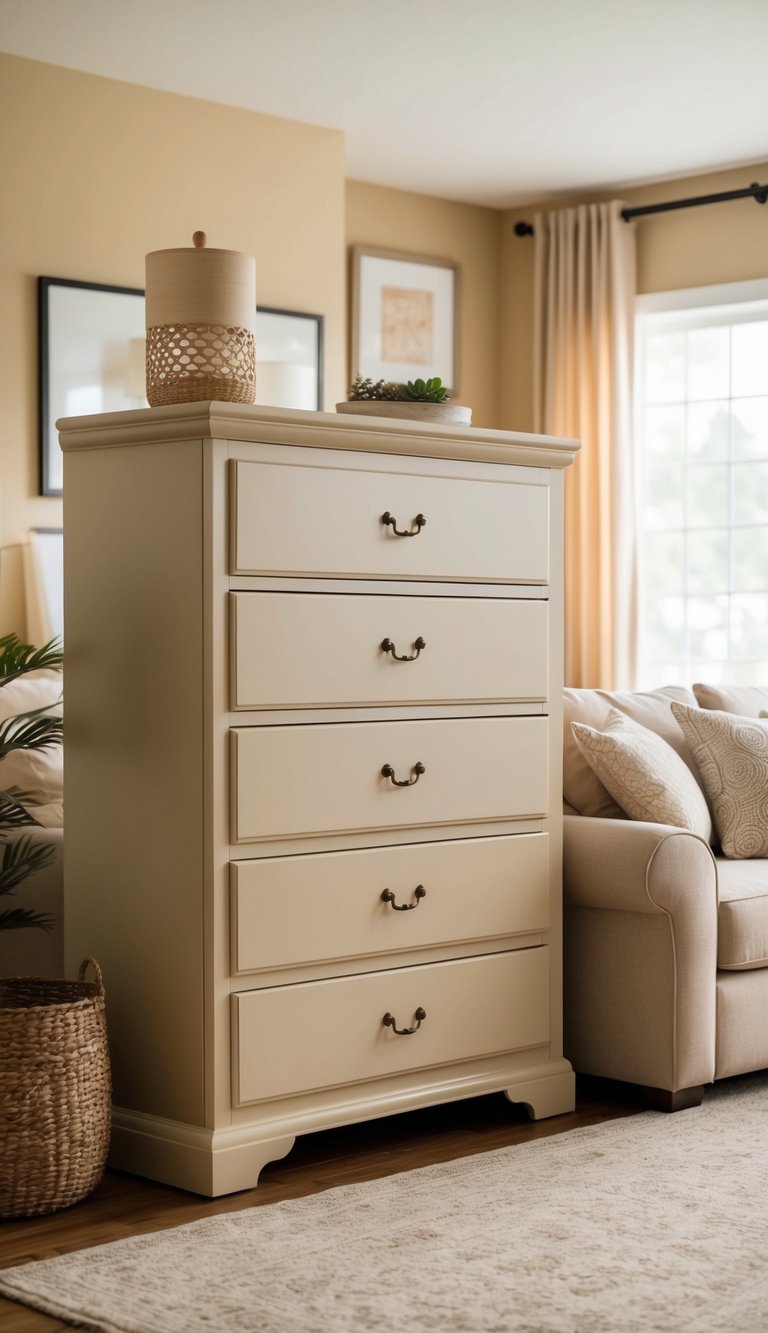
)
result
[(650, 1222)]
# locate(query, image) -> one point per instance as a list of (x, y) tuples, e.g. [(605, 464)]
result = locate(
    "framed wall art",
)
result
[(405, 317), (91, 359), (91, 356)]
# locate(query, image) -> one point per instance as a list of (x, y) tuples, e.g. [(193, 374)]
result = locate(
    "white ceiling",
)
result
[(498, 102)]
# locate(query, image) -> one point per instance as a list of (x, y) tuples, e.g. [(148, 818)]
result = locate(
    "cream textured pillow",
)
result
[(731, 754), (644, 774), (582, 788)]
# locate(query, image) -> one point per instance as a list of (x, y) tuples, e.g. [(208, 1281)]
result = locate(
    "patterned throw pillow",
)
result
[(731, 754), (644, 774)]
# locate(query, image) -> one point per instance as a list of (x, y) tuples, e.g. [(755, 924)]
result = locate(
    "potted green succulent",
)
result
[(36, 729), (420, 400)]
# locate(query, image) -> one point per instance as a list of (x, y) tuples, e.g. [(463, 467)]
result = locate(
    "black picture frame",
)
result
[(91, 359)]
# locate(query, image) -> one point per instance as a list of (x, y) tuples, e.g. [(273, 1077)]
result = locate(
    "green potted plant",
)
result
[(54, 1058), (35, 729), (420, 400)]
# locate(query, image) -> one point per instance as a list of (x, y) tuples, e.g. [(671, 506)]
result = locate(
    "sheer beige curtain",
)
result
[(584, 269)]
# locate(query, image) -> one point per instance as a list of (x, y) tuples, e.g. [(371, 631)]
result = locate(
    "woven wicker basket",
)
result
[(55, 1093)]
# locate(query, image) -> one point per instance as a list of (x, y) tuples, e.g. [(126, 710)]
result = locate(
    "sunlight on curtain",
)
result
[(584, 284)]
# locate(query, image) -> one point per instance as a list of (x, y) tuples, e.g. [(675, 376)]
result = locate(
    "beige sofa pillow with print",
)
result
[(731, 754), (644, 774), (582, 788)]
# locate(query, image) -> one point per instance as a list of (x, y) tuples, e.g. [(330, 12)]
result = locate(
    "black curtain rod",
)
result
[(757, 192)]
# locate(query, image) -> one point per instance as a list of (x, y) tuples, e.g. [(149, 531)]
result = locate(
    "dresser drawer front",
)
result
[(327, 521), (302, 1038), (305, 909), (318, 650), (299, 780)]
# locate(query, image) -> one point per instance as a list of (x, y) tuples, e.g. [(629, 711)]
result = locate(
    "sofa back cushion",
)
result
[(747, 700), (582, 789)]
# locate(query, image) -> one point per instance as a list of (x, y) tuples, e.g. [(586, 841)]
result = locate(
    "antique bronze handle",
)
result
[(387, 646), (388, 896), (389, 772), (390, 522), (390, 1021)]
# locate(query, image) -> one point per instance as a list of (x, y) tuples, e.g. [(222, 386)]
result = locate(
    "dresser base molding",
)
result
[(204, 1161), (222, 1161)]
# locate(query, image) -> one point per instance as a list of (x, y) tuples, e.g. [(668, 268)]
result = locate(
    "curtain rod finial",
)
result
[(523, 229)]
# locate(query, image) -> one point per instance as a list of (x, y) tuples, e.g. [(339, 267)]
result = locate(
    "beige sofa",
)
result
[(666, 939)]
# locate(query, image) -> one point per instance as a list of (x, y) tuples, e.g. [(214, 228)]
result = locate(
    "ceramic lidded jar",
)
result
[(201, 315)]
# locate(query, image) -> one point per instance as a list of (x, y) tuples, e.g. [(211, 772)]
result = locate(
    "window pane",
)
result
[(708, 363), (665, 433), (664, 625), (707, 563), (749, 428), (709, 673), (707, 496), (750, 493), (749, 626), (708, 430), (663, 505), (750, 358), (750, 560), (708, 627), (665, 368), (663, 561)]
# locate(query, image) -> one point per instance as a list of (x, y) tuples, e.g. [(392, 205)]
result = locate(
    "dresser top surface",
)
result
[(326, 430)]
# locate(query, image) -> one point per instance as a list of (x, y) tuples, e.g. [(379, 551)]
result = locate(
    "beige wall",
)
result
[(95, 173), (695, 247), (468, 235)]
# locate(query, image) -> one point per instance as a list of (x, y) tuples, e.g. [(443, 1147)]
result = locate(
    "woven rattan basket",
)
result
[(55, 1093)]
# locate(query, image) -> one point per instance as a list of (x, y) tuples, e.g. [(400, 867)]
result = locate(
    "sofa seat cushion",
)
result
[(582, 789), (742, 921)]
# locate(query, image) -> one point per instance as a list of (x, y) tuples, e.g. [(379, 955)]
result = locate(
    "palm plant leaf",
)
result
[(22, 858), (21, 918), (14, 814), (35, 730), (17, 658)]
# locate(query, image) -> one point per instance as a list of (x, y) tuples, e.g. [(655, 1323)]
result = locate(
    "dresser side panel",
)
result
[(134, 854)]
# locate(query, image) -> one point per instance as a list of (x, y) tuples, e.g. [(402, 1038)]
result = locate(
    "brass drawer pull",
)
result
[(389, 1021), (390, 522), (388, 896), (387, 646), (389, 772)]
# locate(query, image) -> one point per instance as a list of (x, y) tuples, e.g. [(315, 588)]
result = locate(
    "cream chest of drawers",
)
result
[(312, 772)]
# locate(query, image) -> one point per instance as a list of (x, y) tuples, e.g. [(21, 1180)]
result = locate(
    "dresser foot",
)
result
[(204, 1161), (551, 1094)]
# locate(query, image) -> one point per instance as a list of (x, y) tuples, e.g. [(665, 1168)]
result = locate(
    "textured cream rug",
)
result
[(653, 1222)]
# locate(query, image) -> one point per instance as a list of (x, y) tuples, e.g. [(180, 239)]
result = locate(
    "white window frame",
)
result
[(671, 311)]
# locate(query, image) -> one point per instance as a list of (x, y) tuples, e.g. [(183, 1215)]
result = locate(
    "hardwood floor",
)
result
[(125, 1205)]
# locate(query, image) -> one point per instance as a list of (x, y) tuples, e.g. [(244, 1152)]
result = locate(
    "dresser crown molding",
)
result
[(324, 430)]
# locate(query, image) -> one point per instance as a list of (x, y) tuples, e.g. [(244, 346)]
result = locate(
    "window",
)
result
[(702, 486)]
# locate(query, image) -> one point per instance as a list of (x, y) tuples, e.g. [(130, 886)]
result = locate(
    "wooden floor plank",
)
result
[(123, 1205)]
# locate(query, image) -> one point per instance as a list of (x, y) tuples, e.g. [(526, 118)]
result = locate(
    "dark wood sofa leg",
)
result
[(661, 1099)]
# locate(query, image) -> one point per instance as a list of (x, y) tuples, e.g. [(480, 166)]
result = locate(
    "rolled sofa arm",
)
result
[(640, 952)]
